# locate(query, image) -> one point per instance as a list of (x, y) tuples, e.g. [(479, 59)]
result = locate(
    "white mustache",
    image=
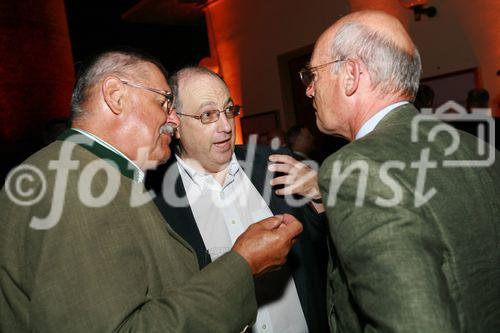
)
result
[(169, 129)]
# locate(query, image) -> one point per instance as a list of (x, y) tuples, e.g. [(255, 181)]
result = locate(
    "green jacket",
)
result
[(110, 268), (398, 266)]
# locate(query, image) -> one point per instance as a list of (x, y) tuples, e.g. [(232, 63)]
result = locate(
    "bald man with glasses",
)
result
[(414, 223), (221, 190)]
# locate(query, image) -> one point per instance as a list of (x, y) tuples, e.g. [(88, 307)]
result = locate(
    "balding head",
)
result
[(183, 76), (122, 98), (386, 25), (124, 63), (381, 42)]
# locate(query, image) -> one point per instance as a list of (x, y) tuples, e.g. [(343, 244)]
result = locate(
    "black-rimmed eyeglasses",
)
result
[(307, 75), (211, 116), (169, 97)]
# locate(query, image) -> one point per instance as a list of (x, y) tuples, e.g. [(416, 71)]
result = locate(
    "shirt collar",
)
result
[(138, 174), (199, 177), (371, 123)]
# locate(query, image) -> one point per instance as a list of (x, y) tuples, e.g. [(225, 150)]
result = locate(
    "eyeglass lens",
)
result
[(214, 115), (307, 77)]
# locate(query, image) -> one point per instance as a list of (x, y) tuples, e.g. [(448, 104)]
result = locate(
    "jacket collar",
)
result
[(124, 166)]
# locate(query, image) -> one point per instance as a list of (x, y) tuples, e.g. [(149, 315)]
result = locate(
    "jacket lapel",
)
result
[(258, 175), (180, 217)]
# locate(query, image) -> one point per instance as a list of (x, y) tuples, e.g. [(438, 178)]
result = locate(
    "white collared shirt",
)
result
[(375, 119), (222, 214), (138, 174)]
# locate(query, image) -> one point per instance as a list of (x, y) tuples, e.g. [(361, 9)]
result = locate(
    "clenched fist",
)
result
[(265, 244)]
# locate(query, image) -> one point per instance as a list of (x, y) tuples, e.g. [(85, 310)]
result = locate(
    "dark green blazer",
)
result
[(118, 267), (401, 267)]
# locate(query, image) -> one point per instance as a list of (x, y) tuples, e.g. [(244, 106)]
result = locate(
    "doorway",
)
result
[(296, 103)]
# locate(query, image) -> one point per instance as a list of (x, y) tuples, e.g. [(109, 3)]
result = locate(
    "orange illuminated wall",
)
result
[(479, 19), (36, 67), (225, 51), (474, 26), (248, 36), (392, 7)]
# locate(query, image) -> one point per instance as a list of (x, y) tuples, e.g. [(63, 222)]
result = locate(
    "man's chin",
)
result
[(223, 158), (165, 156), (157, 159), (320, 125), (162, 160)]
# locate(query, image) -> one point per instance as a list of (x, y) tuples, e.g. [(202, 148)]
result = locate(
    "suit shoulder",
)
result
[(53, 152), (350, 151), (380, 145), (368, 151)]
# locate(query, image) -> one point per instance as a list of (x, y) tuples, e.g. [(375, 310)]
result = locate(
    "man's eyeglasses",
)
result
[(211, 116), (169, 97), (307, 75)]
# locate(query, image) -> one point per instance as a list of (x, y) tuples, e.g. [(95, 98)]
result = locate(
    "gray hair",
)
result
[(122, 63), (391, 69), (184, 73)]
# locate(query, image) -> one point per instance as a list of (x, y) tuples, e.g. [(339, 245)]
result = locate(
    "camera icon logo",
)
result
[(454, 112)]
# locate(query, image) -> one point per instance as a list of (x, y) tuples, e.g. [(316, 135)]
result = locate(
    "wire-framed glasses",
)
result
[(211, 116)]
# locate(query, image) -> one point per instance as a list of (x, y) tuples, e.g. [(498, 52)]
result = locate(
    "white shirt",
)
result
[(138, 174), (222, 214), (375, 119)]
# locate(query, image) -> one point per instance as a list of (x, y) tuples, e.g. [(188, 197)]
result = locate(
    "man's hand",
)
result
[(299, 179), (265, 244)]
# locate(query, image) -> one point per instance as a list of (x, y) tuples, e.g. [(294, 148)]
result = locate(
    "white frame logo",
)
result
[(481, 116)]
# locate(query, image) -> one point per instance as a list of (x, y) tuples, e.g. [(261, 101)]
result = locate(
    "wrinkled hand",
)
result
[(265, 244), (299, 179)]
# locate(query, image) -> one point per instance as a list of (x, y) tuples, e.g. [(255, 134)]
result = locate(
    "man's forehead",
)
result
[(153, 74), (204, 89), (201, 79), (321, 49), (212, 102), (314, 60), (148, 68)]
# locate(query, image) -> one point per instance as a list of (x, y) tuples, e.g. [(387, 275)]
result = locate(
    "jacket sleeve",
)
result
[(89, 273), (392, 258)]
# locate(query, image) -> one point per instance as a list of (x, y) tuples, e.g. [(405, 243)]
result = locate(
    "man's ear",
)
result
[(113, 91), (353, 75)]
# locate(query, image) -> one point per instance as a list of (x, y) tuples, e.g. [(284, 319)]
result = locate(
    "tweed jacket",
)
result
[(415, 238), (108, 267)]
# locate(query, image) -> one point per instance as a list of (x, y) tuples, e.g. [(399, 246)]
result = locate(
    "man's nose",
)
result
[(223, 124), (173, 118)]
